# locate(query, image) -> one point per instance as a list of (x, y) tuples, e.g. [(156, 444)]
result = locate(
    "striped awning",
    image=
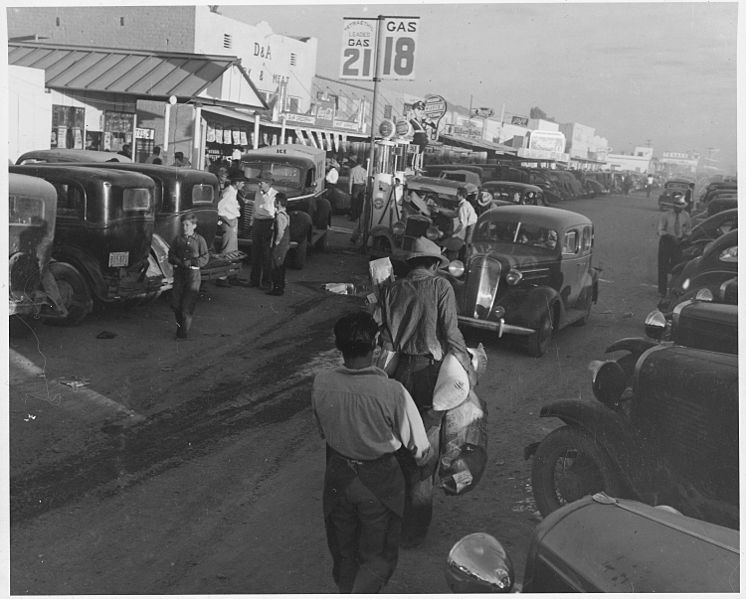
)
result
[(144, 74)]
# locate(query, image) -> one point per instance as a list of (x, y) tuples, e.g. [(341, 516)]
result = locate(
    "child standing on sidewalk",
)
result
[(280, 244)]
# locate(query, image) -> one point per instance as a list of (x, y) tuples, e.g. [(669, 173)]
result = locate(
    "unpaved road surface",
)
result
[(139, 464)]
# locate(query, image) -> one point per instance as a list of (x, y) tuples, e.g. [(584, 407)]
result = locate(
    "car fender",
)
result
[(536, 303), (613, 433), (86, 264), (634, 345)]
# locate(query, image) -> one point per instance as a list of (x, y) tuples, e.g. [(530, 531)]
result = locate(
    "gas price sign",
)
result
[(398, 38)]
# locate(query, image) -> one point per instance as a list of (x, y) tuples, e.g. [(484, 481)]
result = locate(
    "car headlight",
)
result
[(685, 284), (456, 268), (398, 228), (513, 277), (655, 324), (432, 233), (704, 295)]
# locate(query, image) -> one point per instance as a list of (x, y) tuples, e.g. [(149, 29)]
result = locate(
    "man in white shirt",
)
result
[(467, 218), (229, 211), (262, 225)]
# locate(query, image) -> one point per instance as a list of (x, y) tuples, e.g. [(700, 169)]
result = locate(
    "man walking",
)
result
[(420, 323), (672, 227), (188, 253), (365, 418), (229, 211), (261, 232), (358, 176)]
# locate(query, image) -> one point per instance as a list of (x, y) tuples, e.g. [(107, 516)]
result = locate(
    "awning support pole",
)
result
[(257, 118)]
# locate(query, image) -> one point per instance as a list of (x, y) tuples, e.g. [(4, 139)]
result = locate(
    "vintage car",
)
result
[(541, 178), (57, 155), (714, 188), (180, 191), (530, 273), (599, 544), (665, 199), (718, 263), (32, 212), (664, 428), (462, 176), (427, 208), (703, 233), (102, 236), (515, 193), (299, 173)]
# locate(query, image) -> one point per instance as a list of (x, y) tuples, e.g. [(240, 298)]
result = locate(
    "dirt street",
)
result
[(139, 464)]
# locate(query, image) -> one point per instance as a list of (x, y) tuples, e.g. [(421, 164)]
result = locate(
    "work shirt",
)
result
[(332, 176), (420, 317), (228, 206), (189, 252), (364, 415), (467, 217), (358, 175), (264, 204), (676, 224)]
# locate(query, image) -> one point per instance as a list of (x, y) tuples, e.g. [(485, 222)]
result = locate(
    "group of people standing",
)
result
[(381, 431)]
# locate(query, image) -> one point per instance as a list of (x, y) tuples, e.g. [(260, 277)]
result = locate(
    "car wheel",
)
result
[(74, 292), (300, 254), (538, 342), (568, 465)]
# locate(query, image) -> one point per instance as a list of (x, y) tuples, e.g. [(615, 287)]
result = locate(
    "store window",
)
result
[(144, 143), (117, 130), (293, 105), (67, 127)]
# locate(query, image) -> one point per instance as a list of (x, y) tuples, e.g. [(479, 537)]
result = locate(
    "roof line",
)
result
[(131, 51)]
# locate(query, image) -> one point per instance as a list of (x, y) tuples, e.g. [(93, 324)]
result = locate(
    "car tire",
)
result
[(538, 342), (74, 291), (583, 467), (300, 254)]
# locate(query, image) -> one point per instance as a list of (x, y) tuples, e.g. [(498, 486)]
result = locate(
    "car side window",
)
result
[(311, 177), (587, 240), (70, 200), (572, 242)]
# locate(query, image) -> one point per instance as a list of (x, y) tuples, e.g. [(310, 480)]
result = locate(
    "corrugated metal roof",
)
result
[(156, 75)]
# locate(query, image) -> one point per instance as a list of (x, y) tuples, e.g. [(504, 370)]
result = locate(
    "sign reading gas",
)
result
[(398, 37)]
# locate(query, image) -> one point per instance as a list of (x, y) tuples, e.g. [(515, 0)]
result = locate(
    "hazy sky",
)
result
[(664, 72)]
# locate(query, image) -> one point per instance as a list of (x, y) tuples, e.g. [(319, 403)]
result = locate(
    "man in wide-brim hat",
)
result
[(420, 324)]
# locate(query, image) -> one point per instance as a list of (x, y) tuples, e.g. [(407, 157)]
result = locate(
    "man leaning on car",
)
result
[(672, 227)]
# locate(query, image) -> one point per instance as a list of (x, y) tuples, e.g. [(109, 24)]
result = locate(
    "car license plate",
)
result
[(117, 259)]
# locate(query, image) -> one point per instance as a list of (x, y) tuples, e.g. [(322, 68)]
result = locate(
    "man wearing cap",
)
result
[(188, 253), (262, 226), (420, 324), (419, 124), (229, 211), (672, 227)]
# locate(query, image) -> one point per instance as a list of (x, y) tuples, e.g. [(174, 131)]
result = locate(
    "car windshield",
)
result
[(284, 175), (516, 233)]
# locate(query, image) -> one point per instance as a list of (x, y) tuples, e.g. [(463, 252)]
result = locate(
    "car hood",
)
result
[(514, 256)]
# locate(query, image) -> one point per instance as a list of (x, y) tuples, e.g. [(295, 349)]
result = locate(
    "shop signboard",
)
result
[(521, 121), (396, 56), (304, 119), (346, 125), (119, 122), (325, 113), (144, 133), (435, 109), (548, 141)]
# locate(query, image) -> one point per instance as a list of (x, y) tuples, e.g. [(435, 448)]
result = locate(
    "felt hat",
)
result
[(424, 248)]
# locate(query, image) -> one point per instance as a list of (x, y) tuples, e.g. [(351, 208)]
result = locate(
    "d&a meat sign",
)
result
[(398, 39)]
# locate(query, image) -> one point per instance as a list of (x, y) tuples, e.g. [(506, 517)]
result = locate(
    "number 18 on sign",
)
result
[(398, 38)]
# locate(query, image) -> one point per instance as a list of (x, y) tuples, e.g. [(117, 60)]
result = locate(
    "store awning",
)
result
[(481, 145), (143, 74), (229, 113)]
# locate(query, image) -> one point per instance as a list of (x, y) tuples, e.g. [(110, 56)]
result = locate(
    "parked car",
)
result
[(102, 237), (665, 199), (530, 273), (32, 212), (180, 191), (515, 193), (703, 233), (718, 263), (664, 428), (57, 155), (298, 172), (600, 544), (716, 187)]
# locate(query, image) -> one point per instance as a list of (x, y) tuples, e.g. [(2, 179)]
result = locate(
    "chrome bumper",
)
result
[(498, 326)]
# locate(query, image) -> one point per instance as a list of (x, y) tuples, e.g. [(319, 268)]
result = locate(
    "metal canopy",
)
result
[(153, 75)]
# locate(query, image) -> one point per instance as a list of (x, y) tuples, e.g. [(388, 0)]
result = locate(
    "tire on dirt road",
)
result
[(568, 465), (75, 293)]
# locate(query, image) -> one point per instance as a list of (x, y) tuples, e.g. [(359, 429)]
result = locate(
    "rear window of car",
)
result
[(136, 199), (203, 194), (70, 199), (25, 211)]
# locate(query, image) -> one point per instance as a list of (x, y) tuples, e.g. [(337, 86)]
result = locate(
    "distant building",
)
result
[(628, 162)]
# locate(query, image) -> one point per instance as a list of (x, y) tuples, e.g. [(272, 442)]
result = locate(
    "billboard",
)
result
[(547, 141)]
